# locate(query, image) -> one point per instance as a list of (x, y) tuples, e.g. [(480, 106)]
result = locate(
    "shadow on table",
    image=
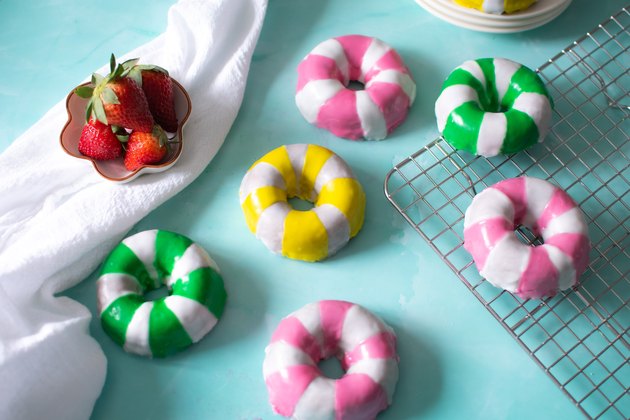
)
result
[(420, 382)]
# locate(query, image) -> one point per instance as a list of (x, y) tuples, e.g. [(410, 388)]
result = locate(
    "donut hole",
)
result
[(331, 368), (157, 293), (356, 85), (300, 204), (527, 236)]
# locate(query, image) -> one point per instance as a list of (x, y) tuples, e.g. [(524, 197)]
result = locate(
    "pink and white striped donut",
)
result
[(324, 99), (365, 346), (506, 262)]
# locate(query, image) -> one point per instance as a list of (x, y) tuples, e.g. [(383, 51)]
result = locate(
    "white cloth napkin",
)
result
[(59, 219)]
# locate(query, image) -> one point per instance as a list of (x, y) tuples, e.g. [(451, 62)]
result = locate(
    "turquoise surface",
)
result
[(456, 360)]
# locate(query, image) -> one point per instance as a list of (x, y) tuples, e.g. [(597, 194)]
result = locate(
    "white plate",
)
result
[(114, 170), (492, 26), (541, 7), (480, 20)]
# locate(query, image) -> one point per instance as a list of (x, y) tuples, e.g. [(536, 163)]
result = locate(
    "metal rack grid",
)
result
[(580, 338)]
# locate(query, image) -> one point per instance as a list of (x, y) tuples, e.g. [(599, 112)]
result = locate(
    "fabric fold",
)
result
[(59, 219)]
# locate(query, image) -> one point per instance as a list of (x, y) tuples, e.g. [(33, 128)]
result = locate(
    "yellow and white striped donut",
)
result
[(497, 6), (309, 172)]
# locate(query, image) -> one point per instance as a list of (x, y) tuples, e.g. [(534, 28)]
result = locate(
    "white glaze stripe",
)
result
[(375, 51), (491, 133), (472, 67), (111, 286), (143, 245), (317, 401), (193, 258), (503, 72), (451, 98), (372, 120), (489, 204), (336, 224), (137, 336), (260, 175), (314, 95), (196, 319), (537, 106), (397, 78), (332, 49), (270, 228)]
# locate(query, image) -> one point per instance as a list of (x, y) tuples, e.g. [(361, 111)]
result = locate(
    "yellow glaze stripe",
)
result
[(509, 6), (305, 236), (258, 201), (315, 158), (347, 195), (279, 158)]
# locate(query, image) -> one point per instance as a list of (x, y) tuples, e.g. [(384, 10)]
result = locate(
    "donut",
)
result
[(149, 260), (496, 6), (506, 262), (312, 173), (325, 100), (363, 343), (493, 105)]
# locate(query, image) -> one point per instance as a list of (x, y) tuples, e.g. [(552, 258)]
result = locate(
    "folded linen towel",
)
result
[(59, 219)]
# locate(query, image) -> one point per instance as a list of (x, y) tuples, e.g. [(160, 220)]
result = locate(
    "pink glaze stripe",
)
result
[(287, 386), (357, 396), (379, 346), (540, 278), (481, 238), (332, 315), (514, 189), (354, 46), (392, 101), (291, 331), (575, 245), (339, 115), (389, 61), (317, 67), (559, 204)]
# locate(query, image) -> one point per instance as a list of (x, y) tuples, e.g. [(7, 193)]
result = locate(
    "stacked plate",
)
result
[(543, 11)]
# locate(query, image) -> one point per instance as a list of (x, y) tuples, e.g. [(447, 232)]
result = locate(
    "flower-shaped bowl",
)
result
[(114, 170)]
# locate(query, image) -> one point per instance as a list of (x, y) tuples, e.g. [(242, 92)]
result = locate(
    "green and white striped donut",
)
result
[(146, 261), (493, 105)]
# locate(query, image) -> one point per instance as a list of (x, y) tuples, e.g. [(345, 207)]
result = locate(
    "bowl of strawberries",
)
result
[(128, 122)]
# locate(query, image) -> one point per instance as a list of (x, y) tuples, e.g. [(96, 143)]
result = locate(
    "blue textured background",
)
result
[(456, 361)]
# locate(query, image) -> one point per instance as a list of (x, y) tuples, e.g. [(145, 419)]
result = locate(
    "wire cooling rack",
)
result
[(580, 337)]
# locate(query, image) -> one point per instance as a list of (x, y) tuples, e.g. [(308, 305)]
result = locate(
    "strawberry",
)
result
[(117, 100), (145, 148), (98, 141), (158, 89)]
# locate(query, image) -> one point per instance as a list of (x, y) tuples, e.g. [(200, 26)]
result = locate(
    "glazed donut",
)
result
[(363, 343), (490, 106), (505, 261), (496, 6), (146, 261), (312, 173), (324, 99)]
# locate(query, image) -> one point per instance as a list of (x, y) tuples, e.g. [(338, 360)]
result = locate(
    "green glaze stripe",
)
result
[(116, 317), (124, 260), (524, 80), (463, 125), (205, 286), (491, 96), (169, 248), (521, 132), (166, 333), (463, 77)]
